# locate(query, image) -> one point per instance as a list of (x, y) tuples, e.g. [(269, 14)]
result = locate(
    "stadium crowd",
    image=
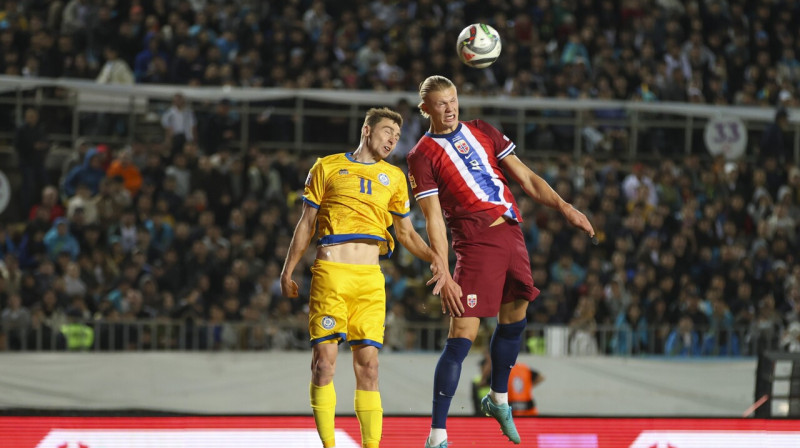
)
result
[(696, 256), (717, 52)]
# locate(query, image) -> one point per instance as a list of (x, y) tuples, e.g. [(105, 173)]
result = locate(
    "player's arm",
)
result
[(536, 187), (411, 240), (300, 240), (437, 233)]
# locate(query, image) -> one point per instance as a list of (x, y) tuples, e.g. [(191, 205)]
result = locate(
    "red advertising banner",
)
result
[(398, 432)]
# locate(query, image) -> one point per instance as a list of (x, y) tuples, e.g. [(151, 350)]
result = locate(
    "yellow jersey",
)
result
[(356, 200)]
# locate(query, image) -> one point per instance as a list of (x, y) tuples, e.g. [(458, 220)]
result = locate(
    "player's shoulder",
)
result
[(423, 145), (480, 125), (329, 161), (390, 169), (330, 158)]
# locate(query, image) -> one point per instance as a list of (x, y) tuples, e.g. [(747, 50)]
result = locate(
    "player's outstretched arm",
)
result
[(300, 240), (437, 232), (536, 187)]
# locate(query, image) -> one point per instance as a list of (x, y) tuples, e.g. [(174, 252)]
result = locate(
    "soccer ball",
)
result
[(478, 45)]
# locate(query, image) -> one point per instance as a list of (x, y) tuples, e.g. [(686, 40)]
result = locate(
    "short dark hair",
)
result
[(375, 115)]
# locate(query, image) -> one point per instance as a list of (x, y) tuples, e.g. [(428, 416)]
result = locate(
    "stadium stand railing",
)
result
[(179, 335), (295, 112)]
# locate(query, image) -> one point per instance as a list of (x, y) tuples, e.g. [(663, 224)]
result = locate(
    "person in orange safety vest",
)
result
[(520, 387)]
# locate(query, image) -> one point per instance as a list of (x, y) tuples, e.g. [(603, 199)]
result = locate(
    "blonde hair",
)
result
[(433, 83), (376, 114)]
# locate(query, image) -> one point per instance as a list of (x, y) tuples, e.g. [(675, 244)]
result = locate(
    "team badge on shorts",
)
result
[(384, 179), (472, 300), (462, 147), (412, 181), (328, 322)]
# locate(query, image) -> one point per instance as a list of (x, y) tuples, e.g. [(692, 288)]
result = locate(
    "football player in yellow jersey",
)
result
[(350, 200)]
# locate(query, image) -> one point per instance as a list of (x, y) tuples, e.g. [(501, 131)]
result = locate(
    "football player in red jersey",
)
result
[(457, 169)]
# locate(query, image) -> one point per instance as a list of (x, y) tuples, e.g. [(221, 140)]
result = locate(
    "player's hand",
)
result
[(439, 270), (288, 286), (451, 298), (577, 219), (446, 287)]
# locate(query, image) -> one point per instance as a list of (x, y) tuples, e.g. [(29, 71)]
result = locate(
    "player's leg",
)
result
[(368, 400), (448, 371), (321, 391), (366, 306), (504, 348), (505, 345), (327, 325), (518, 291)]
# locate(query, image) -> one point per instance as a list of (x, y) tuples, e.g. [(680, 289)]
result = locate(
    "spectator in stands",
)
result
[(124, 167), (115, 70), (219, 130), (75, 16), (75, 158), (631, 332), (16, 319), (49, 206), (146, 68), (582, 329), (84, 203), (32, 146), (90, 173), (775, 143), (58, 240), (683, 340), (180, 125)]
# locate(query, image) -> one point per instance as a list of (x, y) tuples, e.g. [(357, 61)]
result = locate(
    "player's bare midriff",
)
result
[(352, 252)]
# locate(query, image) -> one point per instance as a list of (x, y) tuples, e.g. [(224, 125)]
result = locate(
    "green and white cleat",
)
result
[(501, 413)]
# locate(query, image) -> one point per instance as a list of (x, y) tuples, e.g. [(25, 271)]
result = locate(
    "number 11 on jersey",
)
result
[(368, 188)]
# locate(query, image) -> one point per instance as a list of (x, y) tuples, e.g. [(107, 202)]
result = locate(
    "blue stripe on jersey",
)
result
[(343, 238), (506, 151), (310, 202), (482, 177)]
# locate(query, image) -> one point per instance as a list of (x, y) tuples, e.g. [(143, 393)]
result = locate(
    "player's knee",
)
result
[(367, 369), (322, 369)]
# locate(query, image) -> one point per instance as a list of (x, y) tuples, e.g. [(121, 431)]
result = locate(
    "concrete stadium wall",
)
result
[(277, 383)]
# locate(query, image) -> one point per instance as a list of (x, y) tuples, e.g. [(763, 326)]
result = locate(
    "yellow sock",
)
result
[(323, 404), (370, 416)]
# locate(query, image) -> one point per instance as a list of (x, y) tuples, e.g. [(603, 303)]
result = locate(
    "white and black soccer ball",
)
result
[(479, 45)]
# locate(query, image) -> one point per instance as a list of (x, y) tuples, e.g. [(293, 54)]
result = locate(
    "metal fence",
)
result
[(323, 120), (178, 335)]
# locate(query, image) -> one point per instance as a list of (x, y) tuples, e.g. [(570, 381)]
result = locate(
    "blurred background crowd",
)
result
[(717, 51), (697, 255)]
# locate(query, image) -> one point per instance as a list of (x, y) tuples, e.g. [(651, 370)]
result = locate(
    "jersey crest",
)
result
[(461, 146), (384, 179)]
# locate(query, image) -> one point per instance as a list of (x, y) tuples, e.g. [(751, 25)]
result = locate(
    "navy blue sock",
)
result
[(504, 347), (445, 378)]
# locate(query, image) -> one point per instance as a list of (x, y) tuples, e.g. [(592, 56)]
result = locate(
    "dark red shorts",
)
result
[(493, 268)]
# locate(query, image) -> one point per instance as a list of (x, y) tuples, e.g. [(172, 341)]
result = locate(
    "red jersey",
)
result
[(463, 168)]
